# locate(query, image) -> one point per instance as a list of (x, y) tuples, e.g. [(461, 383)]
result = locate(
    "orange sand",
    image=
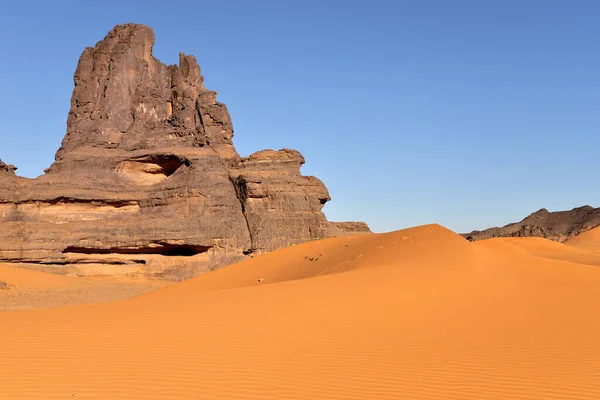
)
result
[(28, 279), (25, 289), (414, 314), (587, 240)]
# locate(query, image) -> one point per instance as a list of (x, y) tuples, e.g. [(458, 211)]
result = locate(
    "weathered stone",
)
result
[(348, 228), (558, 226), (282, 207), (7, 168), (147, 174)]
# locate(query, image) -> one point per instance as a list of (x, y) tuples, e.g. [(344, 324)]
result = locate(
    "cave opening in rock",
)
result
[(163, 249), (151, 169), (184, 251)]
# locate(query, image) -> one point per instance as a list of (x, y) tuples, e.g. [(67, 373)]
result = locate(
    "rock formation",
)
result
[(558, 226), (7, 168), (147, 173)]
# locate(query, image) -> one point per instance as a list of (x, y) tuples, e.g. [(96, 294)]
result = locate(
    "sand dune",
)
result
[(544, 248), (409, 248), (36, 280), (587, 240), (413, 314), (25, 289)]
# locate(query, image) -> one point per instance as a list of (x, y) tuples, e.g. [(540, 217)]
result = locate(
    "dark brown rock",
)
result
[(558, 226), (147, 175)]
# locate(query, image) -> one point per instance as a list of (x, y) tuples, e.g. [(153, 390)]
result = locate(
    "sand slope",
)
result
[(414, 314), (544, 248), (25, 289), (587, 240), (28, 279)]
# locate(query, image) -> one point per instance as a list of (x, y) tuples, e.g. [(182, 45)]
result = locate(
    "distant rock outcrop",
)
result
[(148, 173), (558, 226)]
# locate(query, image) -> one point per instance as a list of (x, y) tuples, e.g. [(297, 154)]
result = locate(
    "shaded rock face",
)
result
[(147, 177), (558, 226)]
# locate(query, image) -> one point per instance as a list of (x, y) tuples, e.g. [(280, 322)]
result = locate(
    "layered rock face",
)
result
[(558, 226), (147, 177)]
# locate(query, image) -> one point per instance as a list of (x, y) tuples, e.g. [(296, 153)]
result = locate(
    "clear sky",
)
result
[(467, 113)]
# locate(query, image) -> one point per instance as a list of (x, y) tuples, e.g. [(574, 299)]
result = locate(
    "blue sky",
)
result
[(465, 113)]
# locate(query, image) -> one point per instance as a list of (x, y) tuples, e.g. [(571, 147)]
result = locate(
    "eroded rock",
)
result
[(147, 171), (7, 168)]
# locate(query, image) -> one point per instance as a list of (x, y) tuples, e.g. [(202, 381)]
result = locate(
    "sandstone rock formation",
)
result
[(558, 226), (147, 173), (7, 169)]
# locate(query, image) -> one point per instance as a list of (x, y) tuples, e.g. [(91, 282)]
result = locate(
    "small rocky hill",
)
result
[(558, 226)]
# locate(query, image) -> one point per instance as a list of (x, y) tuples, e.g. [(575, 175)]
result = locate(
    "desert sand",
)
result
[(25, 289), (414, 314), (588, 240)]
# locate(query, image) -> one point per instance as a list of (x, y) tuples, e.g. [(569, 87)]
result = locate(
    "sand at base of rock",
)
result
[(26, 289)]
